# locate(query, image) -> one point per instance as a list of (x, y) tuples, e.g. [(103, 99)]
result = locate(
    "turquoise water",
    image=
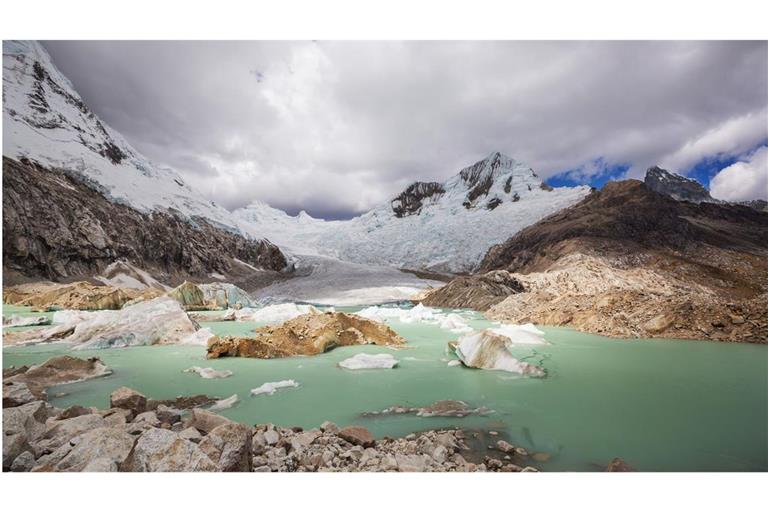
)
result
[(661, 405)]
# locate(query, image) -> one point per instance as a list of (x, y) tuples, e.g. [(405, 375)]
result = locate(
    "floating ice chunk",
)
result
[(224, 403), (275, 313), (419, 313), (526, 334), (209, 373), (454, 323), (269, 388), (23, 321), (369, 361), (71, 316), (488, 350), (199, 338), (454, 362)]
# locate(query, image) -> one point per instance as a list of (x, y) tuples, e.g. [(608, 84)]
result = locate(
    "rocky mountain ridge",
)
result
[(628, 261), (56, 227)]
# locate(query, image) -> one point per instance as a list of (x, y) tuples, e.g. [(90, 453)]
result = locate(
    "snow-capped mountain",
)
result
[(434, 226), (46, 121)]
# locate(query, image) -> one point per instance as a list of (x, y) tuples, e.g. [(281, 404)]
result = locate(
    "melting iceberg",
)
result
[(269, 388), (369, 361)]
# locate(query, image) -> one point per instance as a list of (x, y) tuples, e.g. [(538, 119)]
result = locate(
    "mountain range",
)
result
[(654, 258)]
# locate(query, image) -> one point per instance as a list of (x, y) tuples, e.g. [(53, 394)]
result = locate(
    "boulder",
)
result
[(73, 412), (127, 398), (205, 421), (167, 414), (99, 449), (357, 435), (229, 445), (191, 434), (22, 426), (16, 394), (160, 450), (308, 334), (59, 432)]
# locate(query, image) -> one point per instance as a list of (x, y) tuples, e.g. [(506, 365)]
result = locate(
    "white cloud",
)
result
[(337, 127), (743, 180), (733, 137)]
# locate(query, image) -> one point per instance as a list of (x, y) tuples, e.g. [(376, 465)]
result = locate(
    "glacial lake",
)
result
[(661, 405)]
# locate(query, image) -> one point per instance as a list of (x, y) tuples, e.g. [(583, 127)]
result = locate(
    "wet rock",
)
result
[(328, 426), (505, 446), (127, 398), (618, 465), (160, 450), (56, 371), (357, 435), (229, 445)]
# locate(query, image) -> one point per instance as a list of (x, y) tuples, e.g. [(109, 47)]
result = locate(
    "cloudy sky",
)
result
[(337, 127)]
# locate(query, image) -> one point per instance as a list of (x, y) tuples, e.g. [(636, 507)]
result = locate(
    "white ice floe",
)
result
[(72, 316), (418, 314), (199, 338), (276, 313), (269, 388), (157, 321), (488, 350), (24, 321), (224, 403), (526, 334), (369, 361), (209, 373), (454, 362)]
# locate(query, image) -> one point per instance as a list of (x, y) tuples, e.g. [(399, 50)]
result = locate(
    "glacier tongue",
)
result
[(441, 227)]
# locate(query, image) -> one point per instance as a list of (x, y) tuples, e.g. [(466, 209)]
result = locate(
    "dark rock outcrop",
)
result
[(478, 292), (57, 227), (409, 201), (676, 186)]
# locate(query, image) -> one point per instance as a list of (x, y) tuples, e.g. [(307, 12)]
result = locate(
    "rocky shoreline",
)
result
[(138, 434)]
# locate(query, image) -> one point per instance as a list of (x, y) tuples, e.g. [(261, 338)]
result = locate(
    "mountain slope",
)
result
[(627, 261), (56, 227), (46, 121), (78, 197), (443, 227)]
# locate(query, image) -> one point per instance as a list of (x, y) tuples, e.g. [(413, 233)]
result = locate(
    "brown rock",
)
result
[(357, 435), (308, 334), (618, 465), (127, 398)]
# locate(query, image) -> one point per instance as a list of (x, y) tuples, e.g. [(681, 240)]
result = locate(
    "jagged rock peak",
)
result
[(412, 198), (676, 186)]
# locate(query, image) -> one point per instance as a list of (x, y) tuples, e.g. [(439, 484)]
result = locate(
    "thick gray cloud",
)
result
[(337, 127)]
